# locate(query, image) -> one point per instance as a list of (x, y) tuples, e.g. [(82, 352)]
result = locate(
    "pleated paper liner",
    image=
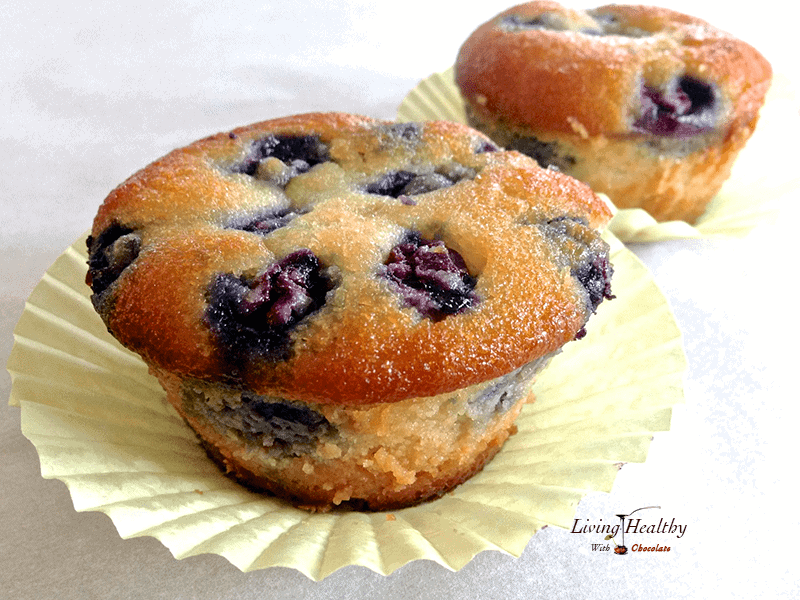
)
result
[(762, 177), (101, 424)]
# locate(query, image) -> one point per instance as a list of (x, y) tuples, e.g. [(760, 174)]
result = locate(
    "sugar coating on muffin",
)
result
[(645, 104), (344, 309)]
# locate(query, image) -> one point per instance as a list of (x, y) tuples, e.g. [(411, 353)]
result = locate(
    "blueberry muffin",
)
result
[(347, 310), (644, 104)]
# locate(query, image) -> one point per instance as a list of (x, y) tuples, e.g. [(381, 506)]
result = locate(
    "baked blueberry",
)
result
[(299, 153), (256, 316), (265, 222), (291, 426), (110, 253), (684, 108), (486, 146), (586, 253), (430, 277), (427, 182), (547, 154), (390, 184), (594, 274), (406, 183), (288, 428)]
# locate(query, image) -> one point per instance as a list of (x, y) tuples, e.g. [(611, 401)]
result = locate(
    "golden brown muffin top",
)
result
[(546, 67), (339, 259)]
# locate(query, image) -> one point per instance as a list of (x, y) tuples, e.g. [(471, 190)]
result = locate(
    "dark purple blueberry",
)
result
[(405, 183), (390, 184), (265, 222), (428, 182), (256, 316), (283, 423), (547, 154), (430, 277), (292, 428), (299, 152), (700, 93), (110, 253), (594, 274), (590, 264), (486, 146), (685, 108)]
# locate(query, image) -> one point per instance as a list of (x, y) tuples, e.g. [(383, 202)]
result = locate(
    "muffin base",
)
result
[(368, 457), (670, 178)]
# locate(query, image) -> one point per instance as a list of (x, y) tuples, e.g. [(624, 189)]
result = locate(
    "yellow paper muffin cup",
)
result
[(101, 424), (761, 178)]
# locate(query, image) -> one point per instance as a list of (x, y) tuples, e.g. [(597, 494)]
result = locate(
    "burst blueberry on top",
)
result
[(110, 253), (398, 184), (590, 263), (256, 316), (298, 152), (430, 277), (266, 221)]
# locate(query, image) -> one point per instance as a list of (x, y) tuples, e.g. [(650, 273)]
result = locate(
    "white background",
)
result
[(93, 91)]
